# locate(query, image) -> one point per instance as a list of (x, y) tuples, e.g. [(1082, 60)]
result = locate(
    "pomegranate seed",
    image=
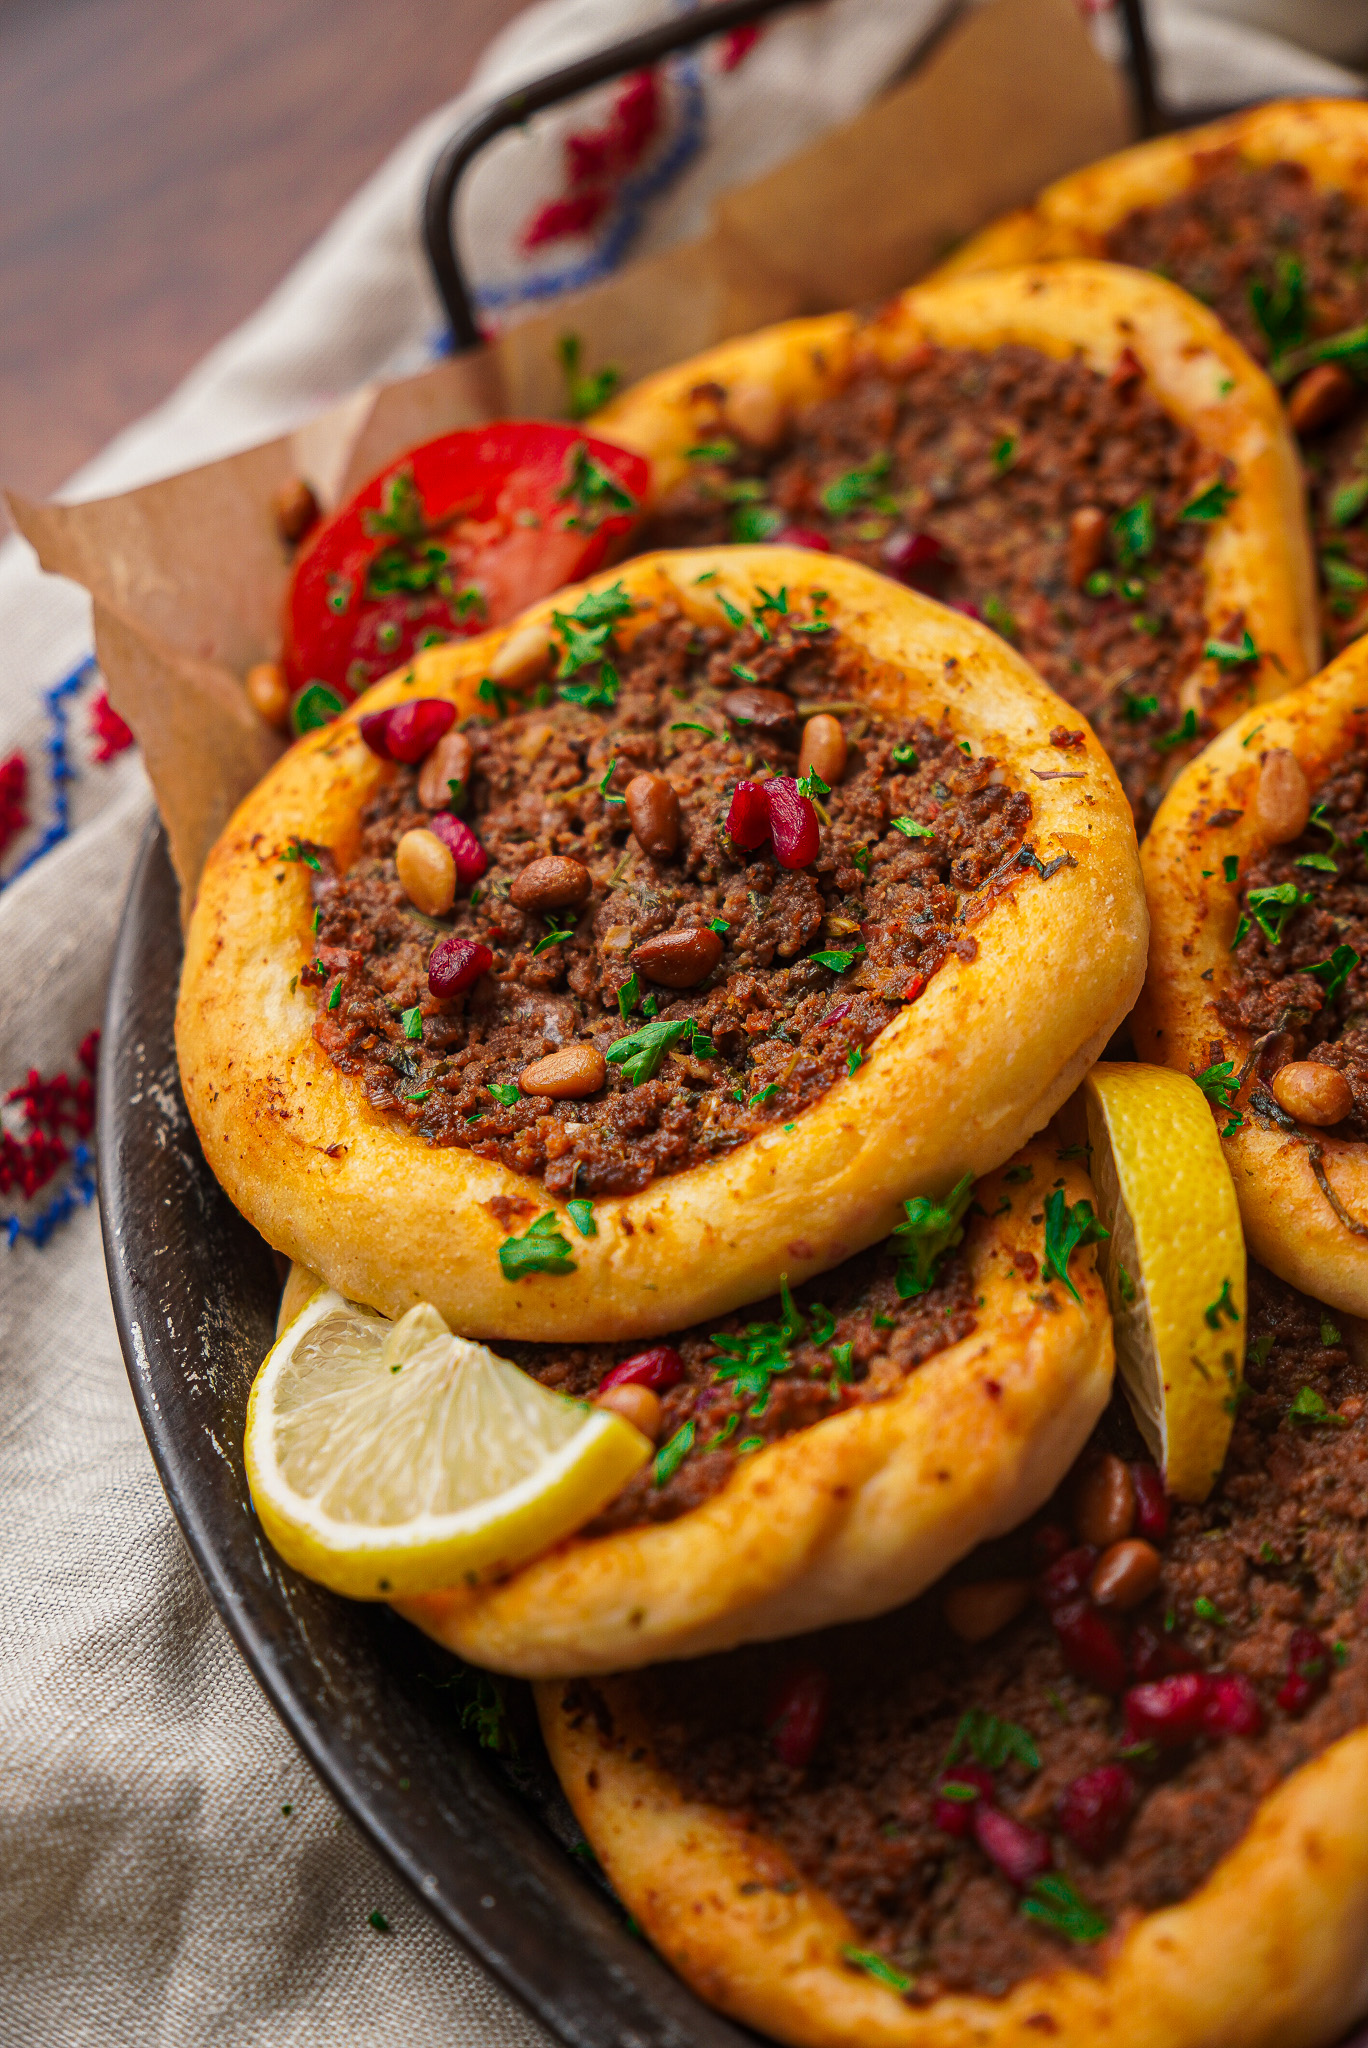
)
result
[(793, 823), (457, 964), (1157, 1656), (1308, 1672), (1091, 1646), (375, 732), (1049, 1542), (1151, 1503), (1296, 1695), (918, 559), (1020, 1853), (470, 857), (1066, 1578), (414, 729), (971, 611), (1093, 1810), (1232, 1706), (797, 1714), (803, 537), (748, 819), (1169, 1711), (658, 1368), (956, 1816)]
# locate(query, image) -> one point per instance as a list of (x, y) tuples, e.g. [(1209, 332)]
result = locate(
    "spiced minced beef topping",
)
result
[(1299, 968), (843, 1341), (1035, 494), (1285, 265), (910, 847), (985, 1812)]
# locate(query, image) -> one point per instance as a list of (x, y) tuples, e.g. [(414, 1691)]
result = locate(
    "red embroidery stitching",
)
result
[(596, 162), (13, 787), (29, 1162), (110, 733), (737, 46)]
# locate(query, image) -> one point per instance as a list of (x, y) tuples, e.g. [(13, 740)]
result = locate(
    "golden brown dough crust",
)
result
[(1074, 216), (1288, 1223), (955, 1083), (1258, 558), (1269, 1953), (849, 1517)]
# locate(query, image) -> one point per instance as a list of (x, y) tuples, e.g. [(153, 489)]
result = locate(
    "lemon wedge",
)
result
[(391, 1458), (1175, 1265)]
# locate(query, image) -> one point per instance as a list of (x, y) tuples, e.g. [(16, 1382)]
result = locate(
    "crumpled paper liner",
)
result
[(188, 575)]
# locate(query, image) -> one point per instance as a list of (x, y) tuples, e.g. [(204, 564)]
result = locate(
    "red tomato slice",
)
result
[(457, 535)]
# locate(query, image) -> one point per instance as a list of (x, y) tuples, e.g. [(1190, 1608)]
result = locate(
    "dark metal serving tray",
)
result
[(486, 1843)]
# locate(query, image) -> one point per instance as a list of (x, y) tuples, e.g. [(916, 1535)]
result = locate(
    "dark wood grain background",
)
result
[(162, 163)]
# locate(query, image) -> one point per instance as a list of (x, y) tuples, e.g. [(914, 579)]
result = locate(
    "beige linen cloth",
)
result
[(171, 1873)]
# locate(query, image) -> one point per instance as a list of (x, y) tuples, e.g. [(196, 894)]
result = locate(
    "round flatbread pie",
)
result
[(1078, 454), (1257, 870), (1263, 216), (827, 1454), (1107, 1782), (587, 976)]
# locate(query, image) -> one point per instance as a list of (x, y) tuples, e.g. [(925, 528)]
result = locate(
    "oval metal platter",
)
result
[(387, 1719)]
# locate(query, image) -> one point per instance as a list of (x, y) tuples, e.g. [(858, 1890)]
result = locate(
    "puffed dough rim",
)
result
[(954, 1084), (1288, 1223), (1074, 216), (1268, 1953), (848, 1517), (1258, 558)]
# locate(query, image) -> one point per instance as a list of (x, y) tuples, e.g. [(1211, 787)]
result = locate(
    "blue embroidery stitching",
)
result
[(60, 769)]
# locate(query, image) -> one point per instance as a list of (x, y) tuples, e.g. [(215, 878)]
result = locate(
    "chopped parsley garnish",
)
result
[(1328, 1332), (599, 695), (1281, 308), (1140, 708), (747, 675), (640, 1053), (1055, 1904), (1232, 653), (751, 523), (335, 998), (719, 925), (1273, 906), (1321, 823), (1066, 1228), (812, 785), (671, 1455), (687, 725), (854, 1059), (378, 1921), (594, 489), (992, 1741), (930, 1230), (1134, 533), (1212, 503), (296, 850), (1218, 1083), (556, 934), (836, 961), (1230, 866), (607, 778), (1207, 1610), (711, 451), (586, 632), (421, 1095), (874, 1966), (412, 1021), (1342, 575), (1332, 974), (581, 1214), (906, 757), (1180, 736), (772, 600), (585, 394), (999, 617), (490, 692), (764, 1095), (505, 1092), (1324, 863), (860, 490), (1004, 453), (911, 829), (628, 996), (750, 1361), (541, 1249), (1348, 501), (1310, 1411)]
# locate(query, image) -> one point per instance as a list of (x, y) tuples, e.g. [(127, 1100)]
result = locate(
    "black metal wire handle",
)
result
[(636, 53)]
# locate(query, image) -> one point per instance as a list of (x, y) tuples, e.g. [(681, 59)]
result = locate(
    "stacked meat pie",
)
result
[(667, 1015)]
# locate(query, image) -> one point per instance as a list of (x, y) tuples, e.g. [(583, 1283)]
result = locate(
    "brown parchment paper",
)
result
[(188, 576)]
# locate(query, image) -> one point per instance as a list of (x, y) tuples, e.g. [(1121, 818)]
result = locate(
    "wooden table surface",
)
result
[(164, 162)]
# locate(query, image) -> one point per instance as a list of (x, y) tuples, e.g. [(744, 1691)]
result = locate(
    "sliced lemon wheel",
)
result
[(391, 1458), (1175, 1265)]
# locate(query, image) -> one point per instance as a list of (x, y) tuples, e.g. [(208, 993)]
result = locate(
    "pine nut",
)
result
[(1125, 1574), (978, 1611), (1313, 1093), (554, 882), (427, 872), (269, 693), (637, 1405), (761, 711), (653, 811), (679, 959), (523, 655), (1087, 542), (450, 761), (566, 1075), (823, 749), (1104, 1502), (1319, 397), (1283, 803)]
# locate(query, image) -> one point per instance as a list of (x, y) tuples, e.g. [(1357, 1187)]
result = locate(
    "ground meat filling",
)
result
[(844, 1341), (1033, 493), (1285, 265), (837, 1746), (1299, 981), (914, 844)]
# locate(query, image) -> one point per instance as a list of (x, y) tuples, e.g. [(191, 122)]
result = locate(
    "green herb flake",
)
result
[(854, 1059), (811, 785), (593, 488), (1334, 973), (910, 828), (991, 1741), (1212, 503), (296, 850), (421, 1095), (930, 1230), (556, 934), (1182, 734), (874, 1966), (412, 1022), (581, 1214), (906, 757), (628, 996), (1310, 1411), (748, 1445), (585, 394), (336, 997), (1232, 653), (641, 1052), (1065, 1229), (859, 489), (712, 451), (1273, 907), (505, 1092), (378, 1921), (1140, 708), (671, 1455), (1281, 308), (1207, 1610), (1134, 533), (751, 524), (1004, 454), (1348, 502), (1218, 1083), (603, 785), (541, 1249), (764, 1095), (752, 1359), (837, 961), (1055, 1904)]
